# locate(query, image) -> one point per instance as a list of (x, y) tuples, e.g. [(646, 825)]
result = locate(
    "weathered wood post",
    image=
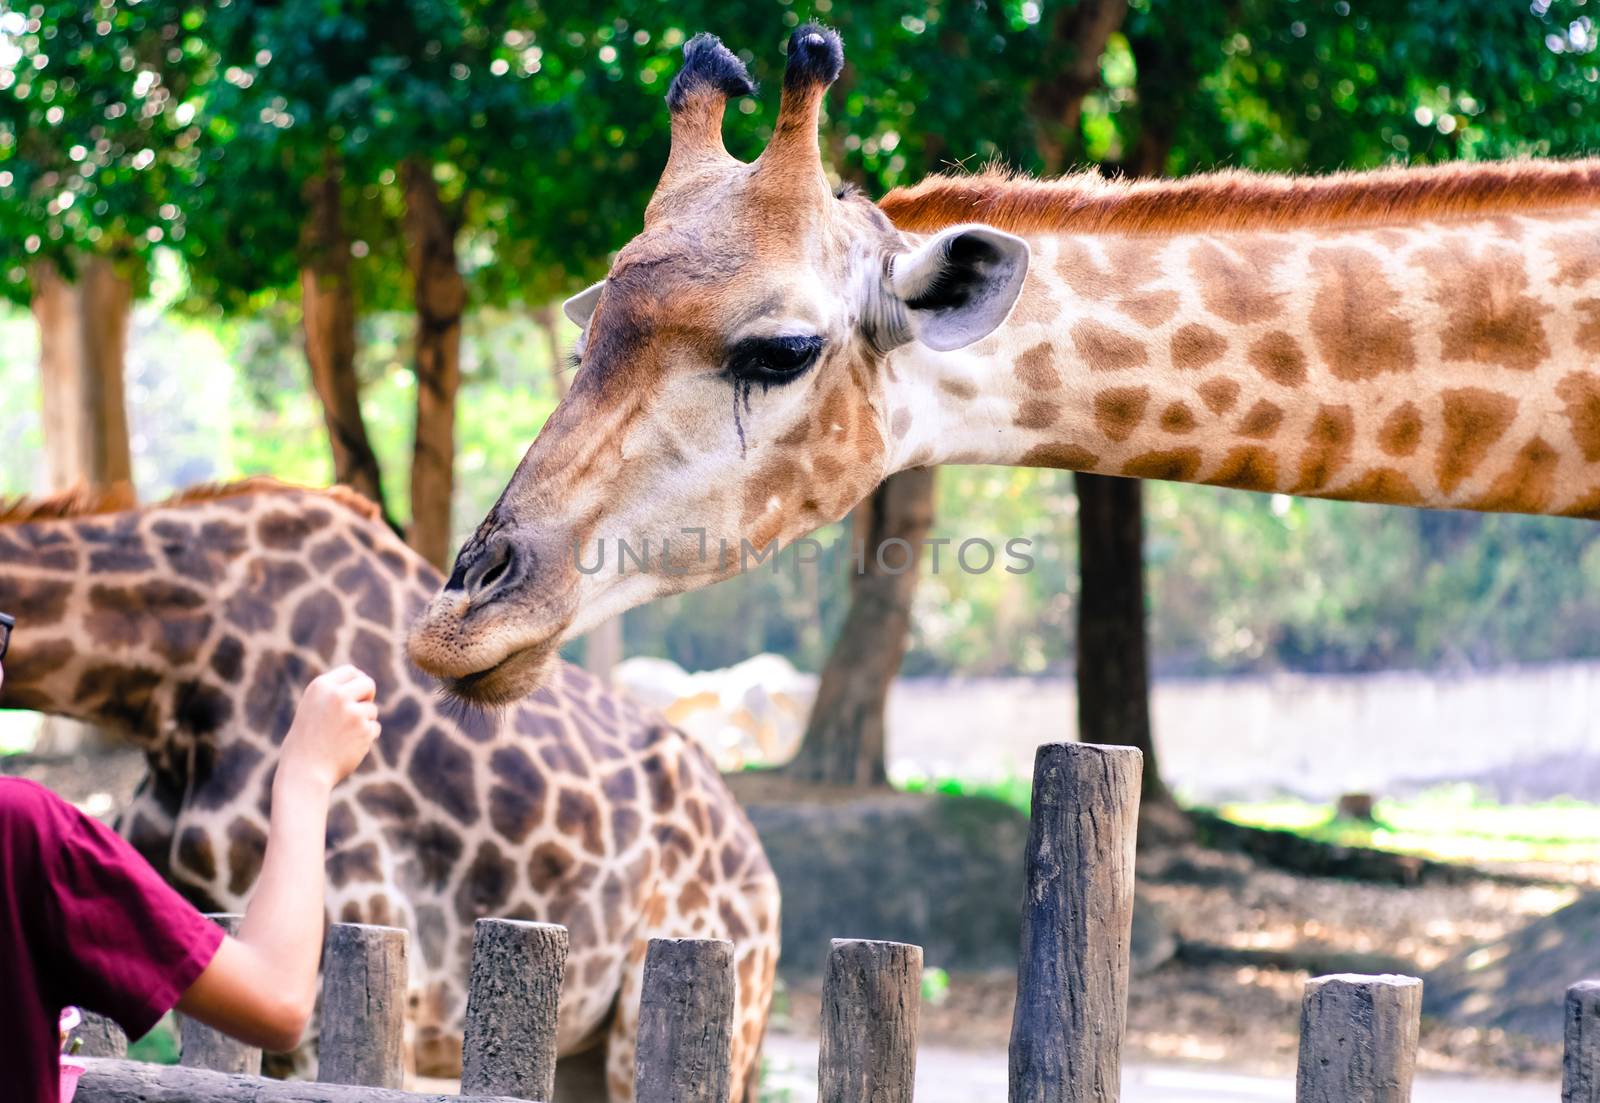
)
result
[(871, 1002), (1358, 1039), (509, 1044), (685, 1022), (1580, 1065), (204, 1048), (364, 980), (1077, 922)]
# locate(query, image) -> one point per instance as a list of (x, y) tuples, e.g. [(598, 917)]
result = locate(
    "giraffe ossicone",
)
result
[(767, 349)]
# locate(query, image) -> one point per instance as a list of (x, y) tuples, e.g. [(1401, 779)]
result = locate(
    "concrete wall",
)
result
[(1525, 732)]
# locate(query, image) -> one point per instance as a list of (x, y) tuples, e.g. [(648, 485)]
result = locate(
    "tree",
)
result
[(411, 104), (93, 121)]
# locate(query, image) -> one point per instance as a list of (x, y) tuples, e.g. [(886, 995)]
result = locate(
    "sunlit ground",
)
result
[(1450, 822)]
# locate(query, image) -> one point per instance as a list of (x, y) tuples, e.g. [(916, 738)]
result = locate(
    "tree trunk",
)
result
[(844, 739), (441, 298), (83, 337), (328, 316), (1113, 652), (602, 648), (548, 318), (1078, 38)]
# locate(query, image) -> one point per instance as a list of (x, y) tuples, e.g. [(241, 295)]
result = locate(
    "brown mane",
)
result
[(119, 497), (1236, 200)]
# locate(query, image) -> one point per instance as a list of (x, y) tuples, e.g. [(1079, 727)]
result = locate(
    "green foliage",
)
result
[(96, 117), (547, 129)]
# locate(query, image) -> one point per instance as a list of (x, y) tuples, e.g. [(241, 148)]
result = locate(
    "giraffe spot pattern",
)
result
[(1062, 457), (269, 703), (1329, 448), (578, 817), (315, 624), (358, 864), (35, 602), (1261, 421), (1279, 358), (1380, 484), (1176, 464), (1353, 322), (435, 849), (1104, 349), (1194, 346), (387, 800), (201, 708), (196, 855), (1218, 394), (1036, 368), (1178, 419), (1527, 485), (1577, 257), (486, 886), (442, 773), (1036, 414), (227, 658), (246, 845), (1580, 393), (516, 799), (1401, 431), (1234, 282), (1248, 467), (1491, 317), (1588, 336), (1474, 419), (1119, 410)]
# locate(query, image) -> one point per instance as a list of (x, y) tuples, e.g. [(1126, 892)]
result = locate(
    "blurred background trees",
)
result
[(325, 241)]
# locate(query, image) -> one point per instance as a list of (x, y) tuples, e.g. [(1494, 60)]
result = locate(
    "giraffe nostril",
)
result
[(495, 567)]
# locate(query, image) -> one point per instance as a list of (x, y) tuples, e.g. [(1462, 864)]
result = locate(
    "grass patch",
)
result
[(1452, 823), (1015, 790), (1449, 822)]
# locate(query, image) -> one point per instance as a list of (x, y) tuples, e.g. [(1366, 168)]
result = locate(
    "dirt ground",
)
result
[(1244, 1014), (1272, 930)]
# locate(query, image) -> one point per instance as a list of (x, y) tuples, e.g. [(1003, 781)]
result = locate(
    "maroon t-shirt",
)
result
[(85, 922)]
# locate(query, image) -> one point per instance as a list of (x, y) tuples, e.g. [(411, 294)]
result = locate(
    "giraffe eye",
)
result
[(770, 360)]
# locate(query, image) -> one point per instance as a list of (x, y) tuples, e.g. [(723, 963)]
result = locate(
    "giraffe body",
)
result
[(192, 628), (767, 350)]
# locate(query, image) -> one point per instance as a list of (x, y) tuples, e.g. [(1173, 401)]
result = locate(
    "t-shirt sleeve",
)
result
[(126, 944)]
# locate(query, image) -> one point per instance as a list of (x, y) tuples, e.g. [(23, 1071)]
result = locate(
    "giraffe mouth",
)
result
[(509, 680)]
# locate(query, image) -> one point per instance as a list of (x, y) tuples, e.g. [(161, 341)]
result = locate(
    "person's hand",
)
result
[(333, 728)]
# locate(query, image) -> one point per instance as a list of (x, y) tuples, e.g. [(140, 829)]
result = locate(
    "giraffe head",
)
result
[(734, 387)]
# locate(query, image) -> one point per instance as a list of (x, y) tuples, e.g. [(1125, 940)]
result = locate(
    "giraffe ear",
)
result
[(581, 306), (960, 284)]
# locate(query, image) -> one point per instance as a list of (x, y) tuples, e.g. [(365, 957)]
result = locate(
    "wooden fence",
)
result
[(1358, 1034)]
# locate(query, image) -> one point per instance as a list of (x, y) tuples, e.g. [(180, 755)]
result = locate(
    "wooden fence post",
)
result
[(1358, 1039), (1077, 922), (509, 1044), (685, 1022), (871, 1000), (1580, 1065), (204, 1048), (364, 981)]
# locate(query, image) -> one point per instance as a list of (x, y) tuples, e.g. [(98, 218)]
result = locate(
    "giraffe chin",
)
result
[(509, 680)]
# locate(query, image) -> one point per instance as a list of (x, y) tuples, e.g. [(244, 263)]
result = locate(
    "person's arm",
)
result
[(261, 986)]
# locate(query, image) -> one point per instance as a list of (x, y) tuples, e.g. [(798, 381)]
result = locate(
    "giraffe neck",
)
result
[(1444, 365)]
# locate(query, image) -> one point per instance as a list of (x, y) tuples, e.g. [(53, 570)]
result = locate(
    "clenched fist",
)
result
[(334, 727)]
